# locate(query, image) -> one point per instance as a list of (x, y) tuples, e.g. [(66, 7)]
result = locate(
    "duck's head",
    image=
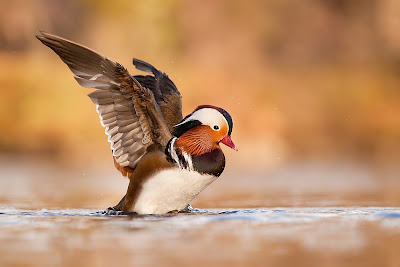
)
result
[(203, 130)]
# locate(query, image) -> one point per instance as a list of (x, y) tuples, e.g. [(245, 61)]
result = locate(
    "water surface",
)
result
[(238, 237), (299, 215)]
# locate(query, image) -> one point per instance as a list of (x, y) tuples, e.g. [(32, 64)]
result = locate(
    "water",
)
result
[(256, 237), (301, 215)]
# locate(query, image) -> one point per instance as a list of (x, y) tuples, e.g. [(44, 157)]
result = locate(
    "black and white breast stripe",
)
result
[(212, 162), (183, 160)]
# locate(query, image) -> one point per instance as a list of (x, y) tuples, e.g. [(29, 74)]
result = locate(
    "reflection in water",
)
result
[(41, 185), (36, 219)]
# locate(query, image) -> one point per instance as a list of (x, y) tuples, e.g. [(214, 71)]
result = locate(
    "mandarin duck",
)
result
[(168, 159)]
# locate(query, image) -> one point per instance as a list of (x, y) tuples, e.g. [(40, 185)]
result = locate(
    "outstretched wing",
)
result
[(127, 110), (165, 92)]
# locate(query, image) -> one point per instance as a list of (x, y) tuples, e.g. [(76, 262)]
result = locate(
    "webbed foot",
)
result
[(112, 211), (188, 209)]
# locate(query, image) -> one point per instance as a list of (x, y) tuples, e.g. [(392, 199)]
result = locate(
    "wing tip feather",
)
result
[(144, 66)]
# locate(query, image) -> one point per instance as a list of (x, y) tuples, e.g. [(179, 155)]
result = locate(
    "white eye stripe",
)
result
[(207, 116)]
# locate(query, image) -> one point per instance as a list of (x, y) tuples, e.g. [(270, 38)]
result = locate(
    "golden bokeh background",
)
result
[(314, 83), (314, 90), (313, 80)]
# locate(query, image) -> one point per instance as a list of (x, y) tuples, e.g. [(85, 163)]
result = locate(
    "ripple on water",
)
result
[(264, 215), (315, 230), (388, 215)]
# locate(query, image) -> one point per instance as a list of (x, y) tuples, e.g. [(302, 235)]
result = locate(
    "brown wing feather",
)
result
[(129, 112), (165, 92), (126, 171)]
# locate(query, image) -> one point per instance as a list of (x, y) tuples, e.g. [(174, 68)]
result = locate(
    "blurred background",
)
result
[(314, 90), (313, 87)]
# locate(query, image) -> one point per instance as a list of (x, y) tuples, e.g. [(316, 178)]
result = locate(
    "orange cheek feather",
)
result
[(223, 131), (199, 140)]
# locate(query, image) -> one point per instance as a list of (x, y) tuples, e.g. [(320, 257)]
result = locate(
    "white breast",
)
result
[(169, 190)]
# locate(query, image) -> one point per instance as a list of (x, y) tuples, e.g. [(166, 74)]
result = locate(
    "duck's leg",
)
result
[(116, 209), (130, 196), (120, 204)]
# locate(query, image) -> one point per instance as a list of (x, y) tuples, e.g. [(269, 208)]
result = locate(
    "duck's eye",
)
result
[(216, 127)]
